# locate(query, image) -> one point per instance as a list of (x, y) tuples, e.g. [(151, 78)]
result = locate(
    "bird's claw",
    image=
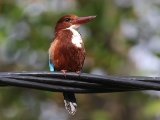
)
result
[(64, 72)]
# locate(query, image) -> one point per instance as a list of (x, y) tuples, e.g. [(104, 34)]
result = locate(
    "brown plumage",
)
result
[(67, 51), (64, 54)]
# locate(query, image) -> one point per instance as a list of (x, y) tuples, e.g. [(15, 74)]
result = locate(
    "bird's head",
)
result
[(72, 21)]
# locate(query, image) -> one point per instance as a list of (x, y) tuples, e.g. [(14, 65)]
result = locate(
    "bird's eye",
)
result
[(67, 19)]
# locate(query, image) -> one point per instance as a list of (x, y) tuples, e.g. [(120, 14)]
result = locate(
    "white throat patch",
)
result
[(76, 37)]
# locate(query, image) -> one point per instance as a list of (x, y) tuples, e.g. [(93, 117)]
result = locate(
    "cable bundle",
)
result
[(83, 83)]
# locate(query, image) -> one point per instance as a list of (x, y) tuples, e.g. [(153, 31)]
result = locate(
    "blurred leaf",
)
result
[(100, 115)]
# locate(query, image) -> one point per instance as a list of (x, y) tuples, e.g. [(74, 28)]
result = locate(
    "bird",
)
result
[(67, 52)]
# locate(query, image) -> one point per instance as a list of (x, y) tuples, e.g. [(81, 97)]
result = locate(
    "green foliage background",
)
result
[(26, 31)]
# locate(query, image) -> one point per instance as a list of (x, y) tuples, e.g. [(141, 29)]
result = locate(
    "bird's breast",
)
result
[(67, 51)]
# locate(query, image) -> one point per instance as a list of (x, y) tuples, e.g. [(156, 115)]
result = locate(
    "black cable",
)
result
[(83, 83)]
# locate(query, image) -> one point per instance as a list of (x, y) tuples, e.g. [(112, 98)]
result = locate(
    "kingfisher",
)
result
[(67, 52)]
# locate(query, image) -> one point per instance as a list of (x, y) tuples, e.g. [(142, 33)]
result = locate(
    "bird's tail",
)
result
[(70, 102)]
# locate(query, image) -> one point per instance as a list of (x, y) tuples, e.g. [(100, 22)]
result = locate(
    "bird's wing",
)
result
[(51, 65)]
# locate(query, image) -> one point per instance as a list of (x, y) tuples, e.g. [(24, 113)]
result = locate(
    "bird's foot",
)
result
[(64, 72), (79, 73)]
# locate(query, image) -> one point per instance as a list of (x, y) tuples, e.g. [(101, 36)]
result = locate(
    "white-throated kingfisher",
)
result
[(67, 52)]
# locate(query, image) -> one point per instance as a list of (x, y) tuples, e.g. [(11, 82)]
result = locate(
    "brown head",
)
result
[(71, 20)]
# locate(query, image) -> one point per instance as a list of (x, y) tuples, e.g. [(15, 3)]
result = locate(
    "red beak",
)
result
[(82, 20)]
